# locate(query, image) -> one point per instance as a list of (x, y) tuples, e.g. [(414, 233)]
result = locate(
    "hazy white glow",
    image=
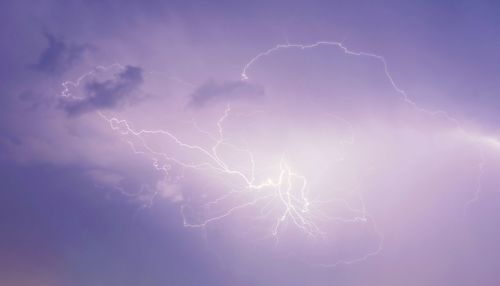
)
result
[(293, 174)]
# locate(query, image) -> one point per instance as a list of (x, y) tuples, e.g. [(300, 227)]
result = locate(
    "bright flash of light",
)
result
[(280, 192)]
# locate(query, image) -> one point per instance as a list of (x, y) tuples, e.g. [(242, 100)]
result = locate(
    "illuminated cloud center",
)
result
[(290, 169)]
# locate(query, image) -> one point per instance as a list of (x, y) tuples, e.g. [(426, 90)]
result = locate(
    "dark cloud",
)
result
[(213, 91), (59, 55), (106, 94)]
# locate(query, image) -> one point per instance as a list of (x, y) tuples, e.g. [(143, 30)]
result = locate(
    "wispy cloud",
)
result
[(212, 91)]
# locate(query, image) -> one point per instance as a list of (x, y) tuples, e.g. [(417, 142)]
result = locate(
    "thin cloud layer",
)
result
[(212, 91)]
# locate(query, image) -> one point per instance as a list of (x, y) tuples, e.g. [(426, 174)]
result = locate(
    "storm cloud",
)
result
[(117, 200), (59, 55), (106, 94)]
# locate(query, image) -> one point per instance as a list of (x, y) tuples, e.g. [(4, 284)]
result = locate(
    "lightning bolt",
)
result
[(480, 139), (339, 45), (288, 188), (284, 196)]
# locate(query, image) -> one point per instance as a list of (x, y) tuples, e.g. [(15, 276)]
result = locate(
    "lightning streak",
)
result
[(289, 188), (68, 85), (405, 97), (482, 140), (285, 196)]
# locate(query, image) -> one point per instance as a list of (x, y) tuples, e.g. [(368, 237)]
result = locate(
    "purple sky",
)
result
[(249, 143)]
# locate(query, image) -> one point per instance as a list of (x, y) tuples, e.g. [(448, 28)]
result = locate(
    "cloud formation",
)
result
[(212, 91), (59, 55), (70, 182), (106, 94)]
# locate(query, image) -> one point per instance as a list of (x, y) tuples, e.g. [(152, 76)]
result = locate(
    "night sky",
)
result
[(249, 143)]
